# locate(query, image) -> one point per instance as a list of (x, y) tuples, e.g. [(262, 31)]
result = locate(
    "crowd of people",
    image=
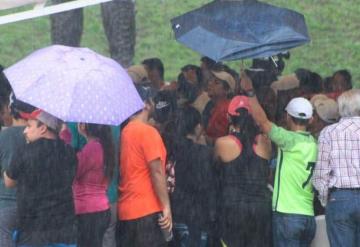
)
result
[(215, 158)]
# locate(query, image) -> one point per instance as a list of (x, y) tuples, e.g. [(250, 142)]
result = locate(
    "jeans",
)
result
[(109, 239), (60, 237), (292, 230), (343, 218), (50, 245), (92, 227), (246, 224), (141, 232), (7, 226), (182, 236)]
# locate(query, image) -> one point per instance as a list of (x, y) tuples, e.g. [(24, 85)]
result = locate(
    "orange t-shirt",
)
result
[(140, 144)]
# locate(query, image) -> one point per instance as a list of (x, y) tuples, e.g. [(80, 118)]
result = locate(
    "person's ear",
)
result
[(43, 129)]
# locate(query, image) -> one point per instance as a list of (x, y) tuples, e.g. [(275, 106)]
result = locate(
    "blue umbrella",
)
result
[(232, 30)]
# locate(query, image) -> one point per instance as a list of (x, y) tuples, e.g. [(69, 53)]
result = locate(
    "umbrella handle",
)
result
[(242, 65)]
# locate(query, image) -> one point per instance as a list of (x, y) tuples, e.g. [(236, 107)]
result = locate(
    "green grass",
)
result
[(333, 24)]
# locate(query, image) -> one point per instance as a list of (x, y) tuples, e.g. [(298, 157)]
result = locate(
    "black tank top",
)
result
[(244, 179)]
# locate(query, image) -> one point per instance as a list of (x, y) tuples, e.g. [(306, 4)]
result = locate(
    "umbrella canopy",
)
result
[(75, 85), (231, 30)]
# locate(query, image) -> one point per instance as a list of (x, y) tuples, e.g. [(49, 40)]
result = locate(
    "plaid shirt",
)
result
[(338, 162)]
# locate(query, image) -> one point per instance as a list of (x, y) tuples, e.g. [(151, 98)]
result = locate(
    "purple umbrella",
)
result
[(75, 85)]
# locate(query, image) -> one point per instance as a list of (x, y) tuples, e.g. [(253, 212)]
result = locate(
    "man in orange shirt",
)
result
[(143, 205)]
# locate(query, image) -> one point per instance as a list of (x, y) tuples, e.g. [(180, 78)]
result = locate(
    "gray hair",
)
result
[(349, 103)]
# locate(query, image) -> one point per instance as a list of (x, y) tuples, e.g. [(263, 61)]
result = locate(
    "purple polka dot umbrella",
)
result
[(75, 85)]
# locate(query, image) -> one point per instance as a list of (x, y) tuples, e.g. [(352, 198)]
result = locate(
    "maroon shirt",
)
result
[(218, 123)]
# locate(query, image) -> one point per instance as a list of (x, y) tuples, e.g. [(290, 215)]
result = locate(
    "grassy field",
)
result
[(333, 24)]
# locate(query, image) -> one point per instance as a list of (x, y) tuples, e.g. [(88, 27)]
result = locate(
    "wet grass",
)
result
[(334, 28)]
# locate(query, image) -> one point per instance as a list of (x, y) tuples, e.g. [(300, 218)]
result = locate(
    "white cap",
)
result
[(299, 108)]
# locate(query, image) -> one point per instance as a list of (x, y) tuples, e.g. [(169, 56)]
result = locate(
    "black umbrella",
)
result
[(231, 30)]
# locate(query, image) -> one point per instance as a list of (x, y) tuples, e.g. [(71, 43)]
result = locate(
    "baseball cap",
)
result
[(165, 105), (238, 102), (299, 108), (326, 108), (137, 73), (165, 99), (17, 106), (225, 76), (285, 82), (44, 117)]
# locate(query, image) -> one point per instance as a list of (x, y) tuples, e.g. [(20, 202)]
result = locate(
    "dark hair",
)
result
[(5, 89), (103, 133), (187, 120), (261, 78), (155, 63), (175, 131), (248, 129), (303, 74), (327, 84), (197, 72), (208, 61), (185, 89), (310, 82), (316, 82), (300, 121), (347, 77), (4, 82)]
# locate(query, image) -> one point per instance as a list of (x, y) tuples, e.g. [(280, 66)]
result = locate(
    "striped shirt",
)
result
[(338, 162)]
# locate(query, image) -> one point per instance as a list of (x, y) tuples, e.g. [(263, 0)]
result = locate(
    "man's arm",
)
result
[(9, 183), (322, 169), (257, 112), (12, 170), (159, 182)]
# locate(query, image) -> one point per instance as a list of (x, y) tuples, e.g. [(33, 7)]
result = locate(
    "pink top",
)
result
[(90, 184)]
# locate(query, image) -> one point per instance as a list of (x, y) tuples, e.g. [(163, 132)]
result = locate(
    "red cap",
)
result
[(44, 117), (31, 115), (238, 102)]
